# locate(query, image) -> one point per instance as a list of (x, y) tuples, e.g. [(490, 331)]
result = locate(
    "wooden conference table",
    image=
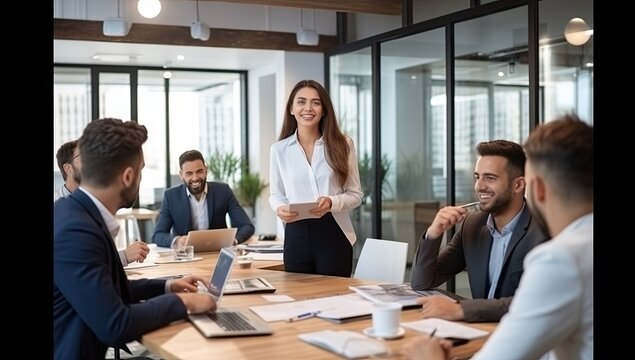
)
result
[(181, 340)]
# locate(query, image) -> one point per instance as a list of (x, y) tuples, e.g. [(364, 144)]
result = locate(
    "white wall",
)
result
[(269, 88)]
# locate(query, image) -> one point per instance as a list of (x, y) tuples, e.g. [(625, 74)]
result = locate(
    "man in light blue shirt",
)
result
[(491, 242)]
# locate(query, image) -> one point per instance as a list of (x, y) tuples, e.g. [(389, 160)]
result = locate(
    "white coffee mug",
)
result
[(386, 316)]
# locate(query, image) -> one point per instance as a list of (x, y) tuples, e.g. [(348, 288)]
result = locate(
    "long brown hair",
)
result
[(337, 148)]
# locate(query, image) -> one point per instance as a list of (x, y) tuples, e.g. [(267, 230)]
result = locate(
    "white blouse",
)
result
[(293, 180)]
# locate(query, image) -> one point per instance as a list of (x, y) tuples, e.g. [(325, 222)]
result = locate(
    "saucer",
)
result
[(371, 332)]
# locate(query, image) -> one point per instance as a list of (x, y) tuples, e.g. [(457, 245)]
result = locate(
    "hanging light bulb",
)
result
[(199, 30), (149, 8), (577, 32)]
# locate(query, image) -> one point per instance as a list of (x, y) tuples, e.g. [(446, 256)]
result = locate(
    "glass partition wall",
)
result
[(417, 101)]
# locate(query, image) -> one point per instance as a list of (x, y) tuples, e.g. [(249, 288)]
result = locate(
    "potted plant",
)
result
[(248, 188), (223, 166), (366, 175)]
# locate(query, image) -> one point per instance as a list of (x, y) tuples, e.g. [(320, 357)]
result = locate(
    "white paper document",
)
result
[(401, 293), (265, 248), (138, 265), (266, 256), (350, 344), (303, 210), (331, 307), (445, 329)]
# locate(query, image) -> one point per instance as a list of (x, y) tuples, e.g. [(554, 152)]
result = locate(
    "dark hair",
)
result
[(65, 155), (190, 155), (337, 148), (562, 150), (108, 146), (509, 150)]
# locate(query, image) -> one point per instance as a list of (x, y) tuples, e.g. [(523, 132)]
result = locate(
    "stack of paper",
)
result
[(350, 344), (445, 329), (401, 293), (335, 308)]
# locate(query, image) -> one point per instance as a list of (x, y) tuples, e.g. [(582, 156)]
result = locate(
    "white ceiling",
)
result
[(198, 57)]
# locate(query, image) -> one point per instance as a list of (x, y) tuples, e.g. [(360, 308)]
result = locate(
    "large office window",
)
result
[(205, 114), (202, 110), (71, 110)]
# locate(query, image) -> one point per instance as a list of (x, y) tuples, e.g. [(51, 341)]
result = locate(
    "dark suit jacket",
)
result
[(470, 248), (94, 304), (175, 218)]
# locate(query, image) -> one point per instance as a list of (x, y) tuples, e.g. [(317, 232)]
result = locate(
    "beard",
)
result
[(77, 176), (538, 217), (196, 191), (129, 196), (500, 203)]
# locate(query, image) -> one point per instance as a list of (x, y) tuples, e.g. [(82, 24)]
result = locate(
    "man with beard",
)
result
[(552, 311), (491, 243), (69, 162), (553, 307), (198, 205), (94, 304)]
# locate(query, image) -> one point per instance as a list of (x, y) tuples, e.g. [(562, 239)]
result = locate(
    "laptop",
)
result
[(224, 321), (211, 240)]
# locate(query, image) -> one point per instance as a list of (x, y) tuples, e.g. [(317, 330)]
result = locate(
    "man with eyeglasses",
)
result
[(70, 165)]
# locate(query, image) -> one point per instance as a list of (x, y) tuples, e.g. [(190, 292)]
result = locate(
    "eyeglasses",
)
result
[(75, 157)]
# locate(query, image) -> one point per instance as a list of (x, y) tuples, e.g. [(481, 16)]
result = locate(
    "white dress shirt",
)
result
[(552, 309), (198, 209), (294, 180)]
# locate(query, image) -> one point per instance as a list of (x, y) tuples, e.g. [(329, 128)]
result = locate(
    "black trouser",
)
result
[(317, 246)]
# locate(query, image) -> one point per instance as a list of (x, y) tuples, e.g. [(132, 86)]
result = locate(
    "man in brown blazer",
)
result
[(491, 243)]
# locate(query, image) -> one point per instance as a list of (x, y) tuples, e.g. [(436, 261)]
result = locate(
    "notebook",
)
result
[(225, 321), (211, 240)]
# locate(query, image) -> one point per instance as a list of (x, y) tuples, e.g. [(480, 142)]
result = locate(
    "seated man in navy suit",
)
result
[(198, 205), (94, 304), (491, 243)]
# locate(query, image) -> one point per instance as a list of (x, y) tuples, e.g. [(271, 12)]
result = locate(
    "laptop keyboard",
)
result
[(230, 321)]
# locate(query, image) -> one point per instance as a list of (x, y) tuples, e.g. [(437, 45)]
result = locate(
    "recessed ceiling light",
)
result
[(180, 57), (118, 58)]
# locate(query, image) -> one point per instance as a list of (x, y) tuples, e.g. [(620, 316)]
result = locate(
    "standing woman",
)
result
[(314, 161)]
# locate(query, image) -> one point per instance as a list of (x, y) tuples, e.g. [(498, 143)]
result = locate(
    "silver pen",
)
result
[(473, 206)]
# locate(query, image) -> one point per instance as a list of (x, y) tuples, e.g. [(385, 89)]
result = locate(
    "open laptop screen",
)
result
[(221, 273)]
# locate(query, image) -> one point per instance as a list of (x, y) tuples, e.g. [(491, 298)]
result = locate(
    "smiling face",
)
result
[(194, 176), (492, 183), (307, 107)]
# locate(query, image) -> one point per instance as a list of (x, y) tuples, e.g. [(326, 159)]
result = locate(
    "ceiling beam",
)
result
[(65, 29), (383, 7)]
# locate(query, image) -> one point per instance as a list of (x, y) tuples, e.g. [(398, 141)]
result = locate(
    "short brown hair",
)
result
[(190, 155), (108, 146), (562, 150), (65, 155), (509, 150)]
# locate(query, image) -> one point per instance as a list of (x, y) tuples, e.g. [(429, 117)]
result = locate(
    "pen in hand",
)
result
[(433, 332), (304, 316)]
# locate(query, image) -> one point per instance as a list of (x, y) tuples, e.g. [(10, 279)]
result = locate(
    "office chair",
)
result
[(382, 260)]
